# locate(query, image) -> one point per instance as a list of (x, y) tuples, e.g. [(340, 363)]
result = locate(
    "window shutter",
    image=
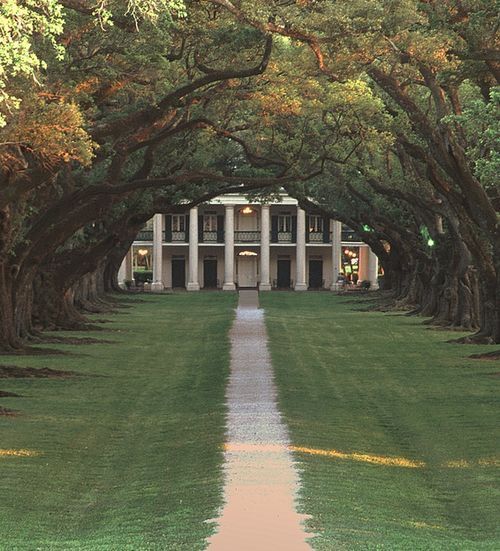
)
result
[(294, 229), (168, 228), (186, 222), (326, 230), (308, 226), (200, 228), (220, 229), (274, 229)]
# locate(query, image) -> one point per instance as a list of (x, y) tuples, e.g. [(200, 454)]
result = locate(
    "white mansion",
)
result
[(229, 243)]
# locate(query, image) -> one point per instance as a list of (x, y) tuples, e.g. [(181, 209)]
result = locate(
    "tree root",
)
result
[(74, 340), (4, 412), (16, 372), (495, 355), (34, 351), (473, 339), (4, 394)]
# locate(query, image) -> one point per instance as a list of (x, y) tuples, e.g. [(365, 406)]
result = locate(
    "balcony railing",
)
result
[(247, 236), (178, 237), (285, 237), (145, 235), (316, 237), (210, 237)]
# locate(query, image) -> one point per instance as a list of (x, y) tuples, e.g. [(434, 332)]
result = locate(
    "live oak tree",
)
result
[(111, 120), (428, 61), (380, 113)]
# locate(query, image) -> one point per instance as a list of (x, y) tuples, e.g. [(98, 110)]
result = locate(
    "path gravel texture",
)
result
[(261, 479)]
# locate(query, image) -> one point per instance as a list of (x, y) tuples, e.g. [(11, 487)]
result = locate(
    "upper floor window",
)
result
[(178, 222), (315, 223), (284, 223), (209, 222)]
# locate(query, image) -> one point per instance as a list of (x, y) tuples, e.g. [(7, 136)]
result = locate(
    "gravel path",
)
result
[(261, 480)]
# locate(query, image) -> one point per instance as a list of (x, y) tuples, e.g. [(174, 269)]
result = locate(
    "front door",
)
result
[(178, 272), (247, 271), (315, 274), (284, 271), (210, 273)]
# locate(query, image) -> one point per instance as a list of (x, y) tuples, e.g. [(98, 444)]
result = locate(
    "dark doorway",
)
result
[(315, 274), (179, 272), (284, 273), (210, 273)]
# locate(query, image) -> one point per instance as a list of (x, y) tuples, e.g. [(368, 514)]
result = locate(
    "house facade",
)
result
[(230, 243)]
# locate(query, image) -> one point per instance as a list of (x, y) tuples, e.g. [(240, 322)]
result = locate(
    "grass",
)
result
[(127, 456), (395, 430)]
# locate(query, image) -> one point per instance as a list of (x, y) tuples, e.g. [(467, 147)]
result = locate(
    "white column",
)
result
[(193, 283), (157, 286), (129, 268), (364, 253), (336, 254), (300, 279), (122, 272), (229, 250), (373, 270), (265, 228)]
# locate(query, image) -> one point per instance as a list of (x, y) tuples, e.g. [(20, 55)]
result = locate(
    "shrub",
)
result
[(142, 277)]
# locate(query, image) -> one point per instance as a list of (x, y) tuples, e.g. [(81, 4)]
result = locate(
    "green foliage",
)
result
[(140, 10), (54, 130), (481, 124), (21, 21)]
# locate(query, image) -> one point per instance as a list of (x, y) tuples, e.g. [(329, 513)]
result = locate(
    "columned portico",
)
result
[(232, 242), (336, 254), (157, 285), (373, 270), (229, 250), (300, 279), (265, 280), (193, 282)]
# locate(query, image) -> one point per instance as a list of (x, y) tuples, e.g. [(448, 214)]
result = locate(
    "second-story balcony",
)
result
[(247, 236)]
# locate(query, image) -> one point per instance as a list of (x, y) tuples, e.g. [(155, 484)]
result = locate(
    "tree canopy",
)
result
[(381, 114)]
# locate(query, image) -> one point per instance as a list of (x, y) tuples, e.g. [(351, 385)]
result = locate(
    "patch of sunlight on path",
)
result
[(261, 479)]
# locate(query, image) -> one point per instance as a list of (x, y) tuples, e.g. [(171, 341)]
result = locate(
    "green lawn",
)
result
[(384, 386), (129, 453)]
